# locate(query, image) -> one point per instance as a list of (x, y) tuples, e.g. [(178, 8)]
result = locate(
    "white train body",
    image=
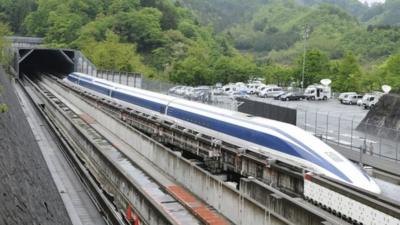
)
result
[(278, 140)]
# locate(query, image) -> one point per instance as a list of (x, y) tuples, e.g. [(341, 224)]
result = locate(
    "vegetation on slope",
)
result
[(204, 41)]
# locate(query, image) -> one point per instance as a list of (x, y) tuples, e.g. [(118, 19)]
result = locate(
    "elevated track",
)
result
[(266, 188)]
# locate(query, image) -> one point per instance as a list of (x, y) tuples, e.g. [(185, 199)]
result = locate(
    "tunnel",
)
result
[(33, 62)]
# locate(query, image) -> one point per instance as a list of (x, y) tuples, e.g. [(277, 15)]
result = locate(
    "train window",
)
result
[(335, 157)]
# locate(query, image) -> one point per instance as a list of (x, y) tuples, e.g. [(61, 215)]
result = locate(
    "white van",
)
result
[(252, 88), (230, 89), (369, 100), (270, 91), (351, 99), (344, 95), (318, 92)]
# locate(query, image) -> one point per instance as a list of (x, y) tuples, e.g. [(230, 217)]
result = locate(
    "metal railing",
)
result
[(156, 85), (352, 133), (125, 78), (84, 65), (25, 42)]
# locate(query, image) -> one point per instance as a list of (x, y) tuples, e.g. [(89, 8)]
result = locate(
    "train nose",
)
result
[(374, 187)]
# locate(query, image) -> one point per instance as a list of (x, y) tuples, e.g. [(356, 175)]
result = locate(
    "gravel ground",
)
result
[(28, 194)]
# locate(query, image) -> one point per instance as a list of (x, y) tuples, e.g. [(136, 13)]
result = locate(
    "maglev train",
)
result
[(278, 140)]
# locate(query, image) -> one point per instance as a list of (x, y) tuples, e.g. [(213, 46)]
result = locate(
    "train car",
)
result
[(274, 139)]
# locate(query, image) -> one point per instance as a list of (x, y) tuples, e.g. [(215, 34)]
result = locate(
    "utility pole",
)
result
[(305, 36)]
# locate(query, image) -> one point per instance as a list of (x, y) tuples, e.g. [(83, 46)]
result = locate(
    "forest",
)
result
[(198, 42)]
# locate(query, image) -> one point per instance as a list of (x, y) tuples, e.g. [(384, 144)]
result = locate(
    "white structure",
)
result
[(319, 91)]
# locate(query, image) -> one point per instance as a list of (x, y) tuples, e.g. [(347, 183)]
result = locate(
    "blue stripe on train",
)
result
[(82, 77), (158, 107), (97, 88), (72, 79), (256, 137)]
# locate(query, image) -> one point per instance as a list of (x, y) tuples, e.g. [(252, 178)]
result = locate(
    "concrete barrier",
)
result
[(121, 186)]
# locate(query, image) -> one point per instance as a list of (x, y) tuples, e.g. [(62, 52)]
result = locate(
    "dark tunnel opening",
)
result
[(46, 61)]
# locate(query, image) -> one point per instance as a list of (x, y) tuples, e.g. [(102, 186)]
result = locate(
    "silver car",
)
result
[(351, 99)]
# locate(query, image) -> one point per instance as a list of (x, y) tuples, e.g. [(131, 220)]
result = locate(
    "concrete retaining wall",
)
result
[(111, 176)]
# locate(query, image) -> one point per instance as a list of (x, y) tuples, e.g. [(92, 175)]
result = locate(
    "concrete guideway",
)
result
[(240, 209), (114, 111), (77, 202), (170, 209), (192, 203)]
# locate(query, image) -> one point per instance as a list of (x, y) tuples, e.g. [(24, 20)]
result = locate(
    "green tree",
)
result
[(14, 12), (37, 22), (118, 6), (349, 74), (390, 72), (194, 69), (63, 27), (238, 68), (281, 75), (316, 67), (4, 44), (142, 27), (111, 54)]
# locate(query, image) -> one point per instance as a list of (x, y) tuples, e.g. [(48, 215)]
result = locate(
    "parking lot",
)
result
[(332, 107)]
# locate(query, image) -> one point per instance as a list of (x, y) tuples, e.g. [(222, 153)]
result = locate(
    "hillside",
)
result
[(159, 38), (223, 14), (175, 40), (274, 30)]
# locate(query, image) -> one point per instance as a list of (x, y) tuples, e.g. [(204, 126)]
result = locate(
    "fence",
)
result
[(125, 78), (83, 65), (351, 133), (24, 42), (156, 85)]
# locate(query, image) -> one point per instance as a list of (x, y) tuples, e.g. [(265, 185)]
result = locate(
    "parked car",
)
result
[(188, 92), (173, 90), (291, 96), (259, 89), (344, 95), (270, 91), (252, 88), (371, 104), (181, 90), (369, 100), (318, 92), (351, 99), (278, 95), (218, 91), (201, 93), (230, 89)]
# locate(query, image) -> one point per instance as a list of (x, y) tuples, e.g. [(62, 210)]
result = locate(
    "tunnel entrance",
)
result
[(32, 62)]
